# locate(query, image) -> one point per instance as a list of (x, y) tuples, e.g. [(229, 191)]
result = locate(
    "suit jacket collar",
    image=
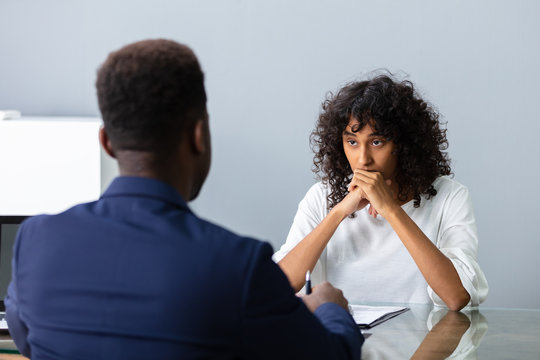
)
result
[(144, 187)]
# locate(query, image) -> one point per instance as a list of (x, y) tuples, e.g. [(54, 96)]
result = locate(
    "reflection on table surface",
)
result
[(427, 332)]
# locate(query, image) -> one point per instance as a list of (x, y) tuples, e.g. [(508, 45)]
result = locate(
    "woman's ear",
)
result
[(105, 142)]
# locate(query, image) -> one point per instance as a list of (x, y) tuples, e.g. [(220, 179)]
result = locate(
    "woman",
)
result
[(385, 224)]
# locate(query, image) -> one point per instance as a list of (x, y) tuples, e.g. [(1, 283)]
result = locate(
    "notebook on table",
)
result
[(369, 316)]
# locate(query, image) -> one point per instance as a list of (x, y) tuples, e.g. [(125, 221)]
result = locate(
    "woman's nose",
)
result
[(364, 158)]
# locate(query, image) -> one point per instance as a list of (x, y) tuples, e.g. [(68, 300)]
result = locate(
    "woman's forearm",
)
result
[(305, 254), (436, 268)]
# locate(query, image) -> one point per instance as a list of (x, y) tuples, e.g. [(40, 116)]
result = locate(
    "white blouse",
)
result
[(367, 260)]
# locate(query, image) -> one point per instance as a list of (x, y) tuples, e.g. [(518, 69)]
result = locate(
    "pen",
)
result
[(308, 283)]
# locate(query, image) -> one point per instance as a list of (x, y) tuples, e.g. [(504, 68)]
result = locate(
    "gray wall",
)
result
[(268, 66)]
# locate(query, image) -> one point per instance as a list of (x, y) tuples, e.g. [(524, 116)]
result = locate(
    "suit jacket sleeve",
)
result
[(277, 324)]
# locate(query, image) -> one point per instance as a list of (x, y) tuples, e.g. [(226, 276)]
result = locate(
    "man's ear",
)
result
[(199, 136), (105, 142)]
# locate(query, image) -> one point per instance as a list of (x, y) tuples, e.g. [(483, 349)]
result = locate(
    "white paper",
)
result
[(365, 315)]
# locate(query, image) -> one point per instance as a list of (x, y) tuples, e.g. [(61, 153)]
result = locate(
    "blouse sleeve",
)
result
[(458, 240), (311, 211)]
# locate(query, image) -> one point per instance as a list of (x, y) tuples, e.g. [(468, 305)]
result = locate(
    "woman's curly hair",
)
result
[(396, 112)]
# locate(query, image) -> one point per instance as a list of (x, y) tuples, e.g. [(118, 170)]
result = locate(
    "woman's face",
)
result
[(367, 150)]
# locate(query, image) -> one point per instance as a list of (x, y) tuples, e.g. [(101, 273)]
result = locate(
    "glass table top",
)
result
[(427, 332)]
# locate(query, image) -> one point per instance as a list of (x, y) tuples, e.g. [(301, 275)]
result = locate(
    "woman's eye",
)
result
[(351, 142), (377, 142)]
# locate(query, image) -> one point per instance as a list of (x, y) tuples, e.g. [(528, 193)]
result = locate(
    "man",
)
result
[(136, 275)]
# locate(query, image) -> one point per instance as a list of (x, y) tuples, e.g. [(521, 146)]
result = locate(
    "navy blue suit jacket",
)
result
[(136, 275)]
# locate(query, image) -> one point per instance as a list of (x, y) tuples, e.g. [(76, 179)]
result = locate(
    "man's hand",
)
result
[(324, 293), (375, 189)]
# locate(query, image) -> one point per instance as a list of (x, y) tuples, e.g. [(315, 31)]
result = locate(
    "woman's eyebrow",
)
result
[(373, 134)]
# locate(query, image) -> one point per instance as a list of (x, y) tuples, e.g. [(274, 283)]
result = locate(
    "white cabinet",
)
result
[(48, 164)]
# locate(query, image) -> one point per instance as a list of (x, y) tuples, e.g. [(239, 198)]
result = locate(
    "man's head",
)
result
[(148, 93), (151, 96), (396, 118)]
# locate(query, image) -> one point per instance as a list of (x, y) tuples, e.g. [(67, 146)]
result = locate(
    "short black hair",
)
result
[(148, 93), (397, 112)]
